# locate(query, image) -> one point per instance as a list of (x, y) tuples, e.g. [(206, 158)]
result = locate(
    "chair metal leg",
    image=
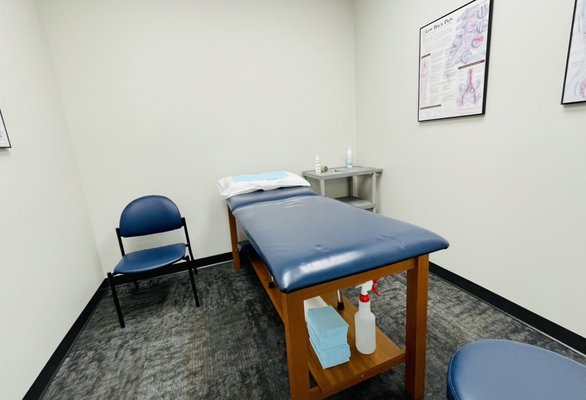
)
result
[(192, 279), (115, 298)]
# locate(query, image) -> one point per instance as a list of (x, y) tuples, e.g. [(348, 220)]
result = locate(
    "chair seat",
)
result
[(150, 259), (503, 369)]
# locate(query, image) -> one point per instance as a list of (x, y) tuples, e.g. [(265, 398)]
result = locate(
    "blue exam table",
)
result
[(310, 246)]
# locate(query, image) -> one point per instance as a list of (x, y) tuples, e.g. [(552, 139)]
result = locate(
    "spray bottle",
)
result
[(364, 320)]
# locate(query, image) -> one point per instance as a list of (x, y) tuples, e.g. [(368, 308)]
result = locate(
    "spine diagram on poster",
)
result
[(453, 63)]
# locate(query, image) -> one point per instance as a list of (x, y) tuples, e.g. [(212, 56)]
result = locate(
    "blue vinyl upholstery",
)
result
[(260, 196), (308, 240), (149, 214), (150, 259), (506, 370)]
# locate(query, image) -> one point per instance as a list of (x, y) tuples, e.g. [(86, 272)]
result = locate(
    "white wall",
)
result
[(167, 97), (507, 189), (48, 259)]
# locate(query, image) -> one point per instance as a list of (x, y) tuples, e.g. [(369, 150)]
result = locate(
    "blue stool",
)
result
[(502, 370)]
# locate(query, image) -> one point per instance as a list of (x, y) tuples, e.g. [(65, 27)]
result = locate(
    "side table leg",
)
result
[(373, 193)]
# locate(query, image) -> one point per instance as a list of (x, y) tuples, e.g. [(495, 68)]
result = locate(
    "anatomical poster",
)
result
[(453, 63), (575, 79)]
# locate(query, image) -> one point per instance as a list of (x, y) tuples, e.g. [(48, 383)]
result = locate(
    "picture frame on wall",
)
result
[(453, 63), (4, 139), (574, 90)]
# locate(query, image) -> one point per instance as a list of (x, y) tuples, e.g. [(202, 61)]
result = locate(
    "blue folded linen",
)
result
[(331, 358), (326, 343), (326, 322), (342, 351)]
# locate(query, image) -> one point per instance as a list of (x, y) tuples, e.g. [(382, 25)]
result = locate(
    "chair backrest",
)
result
[(149, 214)]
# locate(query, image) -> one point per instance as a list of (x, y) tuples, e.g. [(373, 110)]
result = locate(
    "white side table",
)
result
[(351, 174)]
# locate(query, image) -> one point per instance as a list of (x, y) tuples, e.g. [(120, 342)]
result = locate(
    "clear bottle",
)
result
[(365, 321), (349, 158), (317, 165)]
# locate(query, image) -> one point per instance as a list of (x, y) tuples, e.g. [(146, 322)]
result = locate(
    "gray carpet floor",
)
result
[(232, 347)]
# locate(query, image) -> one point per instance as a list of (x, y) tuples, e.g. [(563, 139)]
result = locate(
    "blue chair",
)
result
[(146, 216), (505, 370)]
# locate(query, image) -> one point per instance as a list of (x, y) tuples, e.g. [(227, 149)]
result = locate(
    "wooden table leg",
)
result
[(234, 240), (296, 337), (416, 326)]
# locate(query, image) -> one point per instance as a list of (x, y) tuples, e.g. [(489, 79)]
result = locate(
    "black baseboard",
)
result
[(552, 329), (215, 259), (47, 373)]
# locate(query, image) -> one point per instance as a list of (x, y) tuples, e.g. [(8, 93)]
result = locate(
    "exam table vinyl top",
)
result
[(306, 239)]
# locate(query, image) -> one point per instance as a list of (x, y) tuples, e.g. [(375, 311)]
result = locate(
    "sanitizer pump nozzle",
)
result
[(364, 320)]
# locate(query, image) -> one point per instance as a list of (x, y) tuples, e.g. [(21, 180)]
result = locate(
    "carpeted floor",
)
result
[(232, 347)]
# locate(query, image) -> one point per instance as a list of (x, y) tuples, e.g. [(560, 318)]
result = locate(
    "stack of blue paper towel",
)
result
[(328, 336)]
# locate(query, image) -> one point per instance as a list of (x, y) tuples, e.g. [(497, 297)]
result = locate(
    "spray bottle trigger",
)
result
[(374, 289)]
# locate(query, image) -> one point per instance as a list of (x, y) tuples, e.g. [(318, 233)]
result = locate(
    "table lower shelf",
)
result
[(360, 367)]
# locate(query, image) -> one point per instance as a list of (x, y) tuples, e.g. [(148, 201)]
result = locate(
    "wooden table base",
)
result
[(301, 359)]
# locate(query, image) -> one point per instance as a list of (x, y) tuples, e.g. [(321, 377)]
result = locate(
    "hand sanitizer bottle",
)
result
[(317, 165), (349, 158), (365, 321)]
